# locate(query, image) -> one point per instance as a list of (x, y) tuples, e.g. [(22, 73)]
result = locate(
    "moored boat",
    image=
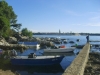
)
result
[(68, 49), (36, 60)]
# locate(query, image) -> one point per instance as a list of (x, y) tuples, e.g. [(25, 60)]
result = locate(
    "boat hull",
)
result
[(34, 62), (60, 50)]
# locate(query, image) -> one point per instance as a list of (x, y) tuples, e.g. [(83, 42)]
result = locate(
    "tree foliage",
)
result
[(26, 32), (7, 17), (7, 11), (17, 27), (8, 20), (4, 26)]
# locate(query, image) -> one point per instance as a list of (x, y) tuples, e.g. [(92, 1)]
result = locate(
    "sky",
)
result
[(54, 15)]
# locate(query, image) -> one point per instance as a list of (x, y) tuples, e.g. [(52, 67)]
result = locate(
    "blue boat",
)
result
[(36, 60)]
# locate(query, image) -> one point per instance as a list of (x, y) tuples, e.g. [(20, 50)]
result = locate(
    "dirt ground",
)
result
[(5, 66), (6, 72)]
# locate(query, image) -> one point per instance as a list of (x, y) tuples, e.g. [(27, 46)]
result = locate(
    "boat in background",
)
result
[(68, 49), (35, 45), (95, 48), (36, 60), (78, 46)]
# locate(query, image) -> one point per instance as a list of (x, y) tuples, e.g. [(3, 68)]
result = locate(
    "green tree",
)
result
[(7, 11), (7, 17), (12, 32), (16, 27), (4, 26), (26, 32), (30, 34)]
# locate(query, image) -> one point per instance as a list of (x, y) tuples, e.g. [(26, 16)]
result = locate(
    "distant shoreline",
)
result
[(93, 34)]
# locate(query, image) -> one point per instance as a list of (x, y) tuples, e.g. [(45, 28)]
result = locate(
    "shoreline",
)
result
[(5, 67), (93, 64)]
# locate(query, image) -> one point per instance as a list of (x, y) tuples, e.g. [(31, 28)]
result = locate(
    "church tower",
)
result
[(59, 31)]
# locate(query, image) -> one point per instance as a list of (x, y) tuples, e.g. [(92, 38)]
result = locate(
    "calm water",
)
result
[(54, 69)]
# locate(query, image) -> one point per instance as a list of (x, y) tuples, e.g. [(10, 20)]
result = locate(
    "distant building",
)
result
[(59, 31)]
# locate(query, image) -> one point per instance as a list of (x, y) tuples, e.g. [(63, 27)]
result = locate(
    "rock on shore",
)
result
[(93, 64), (7, 72), (3, 42)]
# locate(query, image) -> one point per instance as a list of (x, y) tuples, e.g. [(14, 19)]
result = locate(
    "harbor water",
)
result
[(59, 68)]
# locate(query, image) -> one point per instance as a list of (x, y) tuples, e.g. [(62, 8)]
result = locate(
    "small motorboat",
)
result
[(78, 46), (36, 60), (68, 49)]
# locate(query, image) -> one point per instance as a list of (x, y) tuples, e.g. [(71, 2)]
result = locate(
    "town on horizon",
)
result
[(68, 33)]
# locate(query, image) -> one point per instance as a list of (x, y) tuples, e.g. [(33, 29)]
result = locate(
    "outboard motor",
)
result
[(32, 55)]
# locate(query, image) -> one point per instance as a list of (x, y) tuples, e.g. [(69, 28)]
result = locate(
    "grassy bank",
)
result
[(4, 63), (5, 66), (93, 65)]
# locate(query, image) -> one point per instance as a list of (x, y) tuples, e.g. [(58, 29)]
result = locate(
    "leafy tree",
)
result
[(4, 25), (26, 32), (7, 17), (30, 34), (12, 32), (16, 27), (7, 11)]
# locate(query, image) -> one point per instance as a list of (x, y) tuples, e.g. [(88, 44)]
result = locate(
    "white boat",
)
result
[(95, 50), (68, 49)]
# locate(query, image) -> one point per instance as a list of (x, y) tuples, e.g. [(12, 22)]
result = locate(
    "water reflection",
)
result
[(36, 70), (69, 57), (67, 61), (45, 70)]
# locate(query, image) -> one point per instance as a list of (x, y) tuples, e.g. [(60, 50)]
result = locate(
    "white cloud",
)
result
[(77, 24), (81, 13), (72, 13), (93, 24), (33, 30), (96, 18), (93, 12), (88, 24)]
